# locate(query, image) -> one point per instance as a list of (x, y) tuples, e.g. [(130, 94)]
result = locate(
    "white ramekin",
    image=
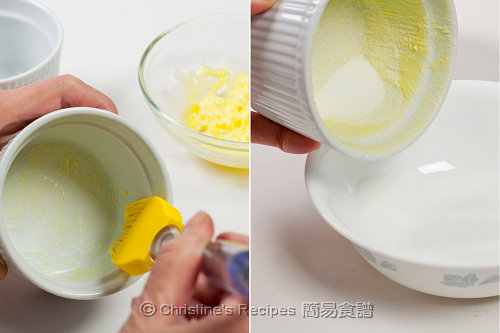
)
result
[(128, 158), (31, 40), (282, 39)]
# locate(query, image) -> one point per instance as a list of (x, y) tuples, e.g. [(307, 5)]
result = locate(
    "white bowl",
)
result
[(31, 40), (64, 182), (426, 218), (282, 42)]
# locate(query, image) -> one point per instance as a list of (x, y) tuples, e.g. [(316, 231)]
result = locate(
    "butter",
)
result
[(218, 103), (57, 204), (375, 62)]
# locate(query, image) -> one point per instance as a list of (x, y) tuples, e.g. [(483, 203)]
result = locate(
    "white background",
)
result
[(297, 257), (103, 43)]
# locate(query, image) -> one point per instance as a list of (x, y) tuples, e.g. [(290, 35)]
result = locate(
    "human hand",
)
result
[(20, 106), (259, 6), (3, 269), (267, 132), (176, 280)]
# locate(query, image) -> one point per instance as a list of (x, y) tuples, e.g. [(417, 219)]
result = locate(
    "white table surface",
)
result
[(297, 257), (103, 43)]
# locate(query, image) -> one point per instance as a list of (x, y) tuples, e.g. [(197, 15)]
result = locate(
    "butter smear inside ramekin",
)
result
[(380, 70)]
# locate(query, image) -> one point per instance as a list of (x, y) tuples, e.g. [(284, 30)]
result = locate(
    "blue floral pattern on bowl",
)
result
[(492, 279), (468, 280), (367, 254), (388, 265), (451, 280), (371, 258)]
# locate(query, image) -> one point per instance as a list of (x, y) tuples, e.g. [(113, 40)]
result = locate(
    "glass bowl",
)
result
[(220, 40)]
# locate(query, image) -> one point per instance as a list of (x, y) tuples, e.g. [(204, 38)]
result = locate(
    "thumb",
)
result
[(259, 6), (174, 274)]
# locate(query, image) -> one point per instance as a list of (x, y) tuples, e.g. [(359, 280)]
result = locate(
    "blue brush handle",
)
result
[(226, 264)]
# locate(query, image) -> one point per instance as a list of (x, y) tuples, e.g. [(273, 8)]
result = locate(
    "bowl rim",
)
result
[(210, 140), (314, 158), (55, 50)]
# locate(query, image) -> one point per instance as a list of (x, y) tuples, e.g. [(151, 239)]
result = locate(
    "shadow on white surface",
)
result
[(240, 175), (476, 60), (26, 308)]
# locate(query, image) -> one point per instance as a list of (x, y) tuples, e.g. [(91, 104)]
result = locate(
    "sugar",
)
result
[(448, 216), (356, 87)]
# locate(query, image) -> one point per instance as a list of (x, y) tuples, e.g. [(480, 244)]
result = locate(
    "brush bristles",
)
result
[(134, 210), (114, 247), (132, 213)]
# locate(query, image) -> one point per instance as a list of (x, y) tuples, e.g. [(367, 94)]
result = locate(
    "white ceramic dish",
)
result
[(31, 40), (426, 218), (64, 182), (219, 40), (281, 89)]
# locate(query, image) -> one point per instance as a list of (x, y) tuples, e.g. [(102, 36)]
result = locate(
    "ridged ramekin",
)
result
[(282, 40), (32, 44)]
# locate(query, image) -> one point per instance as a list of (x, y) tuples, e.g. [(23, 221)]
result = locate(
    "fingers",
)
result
[(234, 321), (222, 324), (267, 132), (206, 293), (5, 139), (259, 6), (230, 236), (3, 269), (75, 92), (173, 277), (23, 105)]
